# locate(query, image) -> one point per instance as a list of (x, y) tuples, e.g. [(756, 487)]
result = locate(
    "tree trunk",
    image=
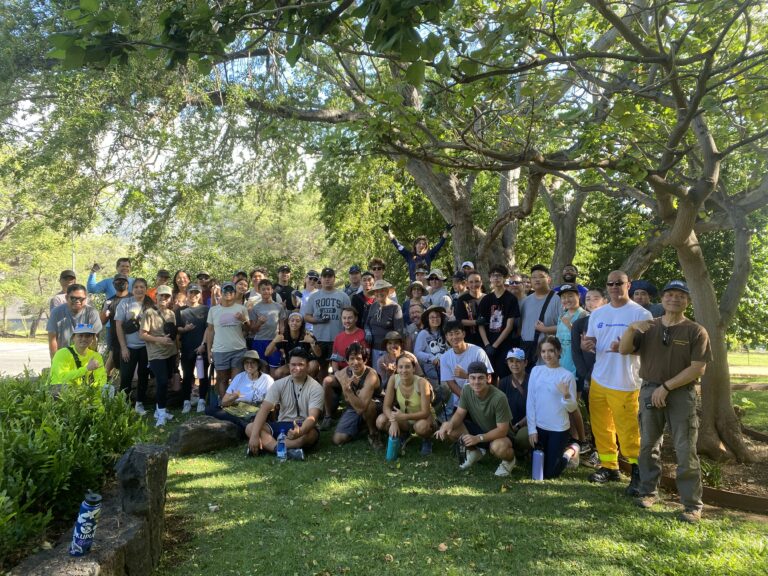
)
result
[(719, 430), (509, 196), (36, 323)]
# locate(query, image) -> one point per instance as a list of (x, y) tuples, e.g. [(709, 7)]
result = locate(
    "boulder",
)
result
[(204, 434)]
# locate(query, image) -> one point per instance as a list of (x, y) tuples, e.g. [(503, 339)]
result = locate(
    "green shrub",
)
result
[(52, 451)]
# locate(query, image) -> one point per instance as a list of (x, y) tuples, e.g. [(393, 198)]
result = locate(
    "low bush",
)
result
[(52, 451)]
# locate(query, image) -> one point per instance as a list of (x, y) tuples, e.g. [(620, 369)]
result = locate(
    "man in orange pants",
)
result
[(614, 391)]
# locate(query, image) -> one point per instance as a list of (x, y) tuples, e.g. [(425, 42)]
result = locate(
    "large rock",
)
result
[(204, 434), (129, 535)]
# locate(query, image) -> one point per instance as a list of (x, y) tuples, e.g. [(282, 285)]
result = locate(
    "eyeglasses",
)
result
[(617, 283), (666, 339), (515, 282), (77, 299), (377, 267)]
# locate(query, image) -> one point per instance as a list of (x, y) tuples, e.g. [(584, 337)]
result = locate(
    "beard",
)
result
[(570, 278)]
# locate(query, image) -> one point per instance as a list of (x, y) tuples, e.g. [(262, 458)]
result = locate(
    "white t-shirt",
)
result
[(607, 324), (449, 360), (545, 406), (228, 330), (251, 391)]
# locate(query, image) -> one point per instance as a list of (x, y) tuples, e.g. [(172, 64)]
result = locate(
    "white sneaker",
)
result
[(187, 407), (162, 419), (472, 457), (139, 409), (505, 467), (200, 406)]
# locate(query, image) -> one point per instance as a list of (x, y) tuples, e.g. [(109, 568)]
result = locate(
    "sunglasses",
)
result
[(377, 267), (515, 282), (666, 339), (163, 296), (77, 299), (228, 290), (618, 283)]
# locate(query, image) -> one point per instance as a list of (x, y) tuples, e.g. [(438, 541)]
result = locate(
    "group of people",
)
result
[(500, 372)]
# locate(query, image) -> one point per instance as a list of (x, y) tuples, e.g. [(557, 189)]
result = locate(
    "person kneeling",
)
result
[(413, 413), (245, 394), (301, 402), (488, 426), (360, 385)]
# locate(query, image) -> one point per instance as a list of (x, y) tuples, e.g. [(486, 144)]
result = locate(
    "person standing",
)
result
[(539, 313), (422, 254), (66, 279), (133, 350), (224, 337), (569, 275), (283, 287), (266, 317), (158, 330), (466, 308), (108, 312), (674, 353), (323, 311), (361, 301), (191, 321), (64, 318), (162, 278), (355, 276), (613, 394), (498, 312), (122, 266)]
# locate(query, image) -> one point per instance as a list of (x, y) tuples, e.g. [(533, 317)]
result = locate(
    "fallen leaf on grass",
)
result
[(388, 558), (442, 546)]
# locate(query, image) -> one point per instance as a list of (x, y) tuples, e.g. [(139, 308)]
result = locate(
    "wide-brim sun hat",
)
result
[(380, 285)]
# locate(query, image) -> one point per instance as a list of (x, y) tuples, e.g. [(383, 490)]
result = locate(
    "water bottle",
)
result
[(538, 464), (282, 453), (393, 448), (200, 367), (85, 526)]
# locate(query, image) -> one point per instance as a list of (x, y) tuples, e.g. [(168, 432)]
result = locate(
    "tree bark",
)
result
[(509, 196), (35, 323)]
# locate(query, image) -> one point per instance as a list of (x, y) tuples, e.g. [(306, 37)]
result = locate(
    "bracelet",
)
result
[(664, 385)]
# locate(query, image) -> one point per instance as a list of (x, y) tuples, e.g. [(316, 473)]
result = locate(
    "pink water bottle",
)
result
[(200, 367), (538, 465)]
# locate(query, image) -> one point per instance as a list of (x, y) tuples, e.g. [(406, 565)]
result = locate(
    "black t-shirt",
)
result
[(360, 303), (466, 309), (285, 293), (516, 399), (191, 340), (497, 310)]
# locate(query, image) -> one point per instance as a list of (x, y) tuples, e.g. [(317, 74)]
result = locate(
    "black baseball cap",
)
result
[(355, 269), (163, 273), (328, 272), (284, 268)]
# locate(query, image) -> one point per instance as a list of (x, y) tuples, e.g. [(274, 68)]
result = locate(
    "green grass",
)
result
[(347, 511), (748, 359), (755, 404)]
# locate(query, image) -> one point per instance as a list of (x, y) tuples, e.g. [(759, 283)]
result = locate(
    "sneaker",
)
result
[(375, 441), (690, 515), (139, 409), (187, 407), (585, 447), (472, 457), (604, 475), (645, 501), (505, 467), (426, 447), (295, 454), (593, 460), (162, 419), (633, 489), (200, 406), (326, 423)]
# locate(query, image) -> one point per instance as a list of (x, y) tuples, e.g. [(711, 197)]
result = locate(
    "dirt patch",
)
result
[(176, 539)]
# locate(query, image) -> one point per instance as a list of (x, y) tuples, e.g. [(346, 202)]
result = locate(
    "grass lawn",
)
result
[(347, 511), (748, 359), (755, 403)]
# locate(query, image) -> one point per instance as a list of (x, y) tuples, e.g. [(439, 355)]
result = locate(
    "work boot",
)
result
[(633, 489)]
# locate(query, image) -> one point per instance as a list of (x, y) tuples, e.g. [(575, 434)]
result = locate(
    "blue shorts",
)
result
[(229, 360), (273, 359), (283, 426)]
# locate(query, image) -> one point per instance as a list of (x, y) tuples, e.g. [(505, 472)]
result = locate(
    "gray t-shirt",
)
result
[(62, 322), (530, 310), (323, 303), (274, 313), (295, 400), (127, 309)]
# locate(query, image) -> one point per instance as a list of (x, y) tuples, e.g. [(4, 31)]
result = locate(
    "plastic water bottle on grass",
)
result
[(281, 451)]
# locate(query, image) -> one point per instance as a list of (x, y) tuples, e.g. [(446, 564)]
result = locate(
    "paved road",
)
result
[(15, 357)]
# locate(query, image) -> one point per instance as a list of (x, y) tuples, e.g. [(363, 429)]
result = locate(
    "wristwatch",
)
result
[(482, 438)]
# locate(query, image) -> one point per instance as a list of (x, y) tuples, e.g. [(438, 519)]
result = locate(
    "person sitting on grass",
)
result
[(78, 363), (487, 425), (551, 397), (245, 393), (408, 406), (359, 384), (301, 403)]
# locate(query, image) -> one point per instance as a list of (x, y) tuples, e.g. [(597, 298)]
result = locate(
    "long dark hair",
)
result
[(287, 328), (148, 302), (176, 275)]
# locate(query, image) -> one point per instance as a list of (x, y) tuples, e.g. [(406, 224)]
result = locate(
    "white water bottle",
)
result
[(200, 367)]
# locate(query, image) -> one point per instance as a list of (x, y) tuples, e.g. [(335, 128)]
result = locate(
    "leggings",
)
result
[(137, 357), (222, 414), (163, 370), (188, 372), (553, 444)]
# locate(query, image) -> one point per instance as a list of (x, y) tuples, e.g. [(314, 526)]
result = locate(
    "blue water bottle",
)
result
[(393, 448), (85, 526), (282, 453), (538, 464)]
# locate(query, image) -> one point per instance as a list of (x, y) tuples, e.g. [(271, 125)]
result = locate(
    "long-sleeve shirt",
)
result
[(64, 369), (413, 261), (104, 286), (545, 407)]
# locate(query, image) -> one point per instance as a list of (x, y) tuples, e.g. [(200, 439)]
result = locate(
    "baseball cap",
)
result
[(677, 285), (328, 272), (228, 285), (85, 329), (164, 290), (202, 275), (516, 353), (313, 274), (459, 275), (194, 288), (67, 274), (163, 273), (355, 269), (568, 288), (467, 264), (284, 268)]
